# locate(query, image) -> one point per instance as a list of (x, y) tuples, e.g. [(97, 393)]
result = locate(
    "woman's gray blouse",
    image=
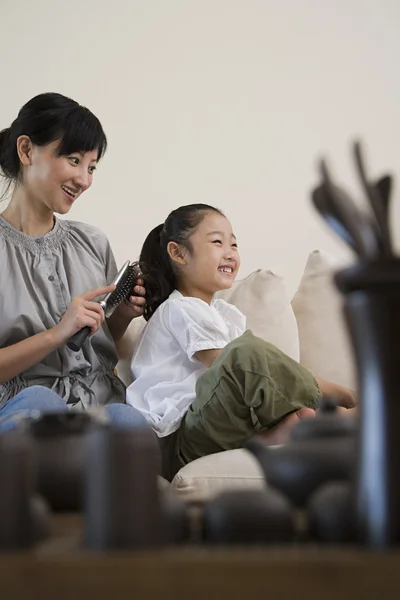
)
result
[(39, 276)]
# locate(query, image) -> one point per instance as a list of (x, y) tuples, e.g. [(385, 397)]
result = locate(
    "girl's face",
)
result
[(56, 181), (213, 260)]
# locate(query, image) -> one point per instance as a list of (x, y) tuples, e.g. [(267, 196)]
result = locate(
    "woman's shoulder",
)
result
[(90, 238), (85, 230)]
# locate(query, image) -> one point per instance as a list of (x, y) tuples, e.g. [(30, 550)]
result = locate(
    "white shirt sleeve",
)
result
[(195, 325)]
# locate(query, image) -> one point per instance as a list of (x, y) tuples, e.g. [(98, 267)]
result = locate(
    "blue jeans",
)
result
[(44, 400)]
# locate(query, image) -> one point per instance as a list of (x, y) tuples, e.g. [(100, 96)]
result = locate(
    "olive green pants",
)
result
[(248, 389)]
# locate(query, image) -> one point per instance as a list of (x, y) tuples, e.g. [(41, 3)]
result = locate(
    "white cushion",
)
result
[(324, 345), (263, 299), (205, 477)]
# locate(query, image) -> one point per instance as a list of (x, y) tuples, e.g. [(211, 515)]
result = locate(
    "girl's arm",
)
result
[(344, 396), (82, 312), (207, 357)]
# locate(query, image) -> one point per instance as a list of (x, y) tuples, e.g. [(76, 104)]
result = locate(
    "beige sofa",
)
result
[(309, 328)]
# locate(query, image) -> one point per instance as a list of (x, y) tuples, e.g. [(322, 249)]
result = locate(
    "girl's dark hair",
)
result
[(158, 270), (44, 119)]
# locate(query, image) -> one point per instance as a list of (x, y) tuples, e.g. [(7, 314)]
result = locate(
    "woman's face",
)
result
[(57, 181)]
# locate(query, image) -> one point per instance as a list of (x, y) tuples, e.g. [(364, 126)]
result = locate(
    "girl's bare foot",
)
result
[(280, 433)]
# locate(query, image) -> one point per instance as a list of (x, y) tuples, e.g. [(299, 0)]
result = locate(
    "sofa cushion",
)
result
[(324, 345), (125, 348), (263, 299), (205, 477)]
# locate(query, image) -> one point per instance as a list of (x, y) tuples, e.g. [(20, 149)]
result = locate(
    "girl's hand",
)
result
[(82, 312), (133, 307), (344, 396), (348, 398)]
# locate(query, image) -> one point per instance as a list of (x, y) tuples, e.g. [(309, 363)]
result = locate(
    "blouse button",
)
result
[(78, 356), (51, 277)]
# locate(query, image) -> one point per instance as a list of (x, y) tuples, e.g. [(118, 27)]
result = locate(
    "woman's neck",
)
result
[(22, 214)]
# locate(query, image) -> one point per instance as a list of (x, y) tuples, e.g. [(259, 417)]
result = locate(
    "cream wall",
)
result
[(228, 102)]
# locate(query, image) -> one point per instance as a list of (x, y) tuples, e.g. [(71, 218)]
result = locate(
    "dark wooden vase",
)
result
[(372, 309)]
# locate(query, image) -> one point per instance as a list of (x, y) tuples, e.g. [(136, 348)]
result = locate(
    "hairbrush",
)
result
[(124, 282)]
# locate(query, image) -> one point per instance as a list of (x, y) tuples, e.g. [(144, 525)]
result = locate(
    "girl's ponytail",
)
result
[(157, 273)]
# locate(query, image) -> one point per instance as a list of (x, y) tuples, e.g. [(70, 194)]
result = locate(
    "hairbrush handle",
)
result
[(76, 342)]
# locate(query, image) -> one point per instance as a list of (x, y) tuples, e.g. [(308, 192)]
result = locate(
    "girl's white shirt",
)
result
[(164, 366)]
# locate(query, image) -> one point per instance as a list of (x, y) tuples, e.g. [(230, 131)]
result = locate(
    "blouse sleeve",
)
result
[(111, 268), (195, 325), (95, 246)]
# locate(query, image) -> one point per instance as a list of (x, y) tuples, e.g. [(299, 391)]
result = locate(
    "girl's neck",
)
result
[(193, 292), (23, 214)]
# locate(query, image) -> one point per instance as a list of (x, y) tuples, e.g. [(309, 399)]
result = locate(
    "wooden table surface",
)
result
[(60, 570)]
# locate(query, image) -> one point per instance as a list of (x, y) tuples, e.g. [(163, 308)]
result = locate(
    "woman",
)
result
[(52, 269)]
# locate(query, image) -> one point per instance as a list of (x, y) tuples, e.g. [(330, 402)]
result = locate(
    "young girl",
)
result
[(52, 269), (202, 381)]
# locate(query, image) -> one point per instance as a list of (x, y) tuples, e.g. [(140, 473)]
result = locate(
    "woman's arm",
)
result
[(19, 357), (82, 312)]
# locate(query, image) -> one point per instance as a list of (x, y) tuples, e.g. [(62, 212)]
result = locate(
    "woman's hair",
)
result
[(45, 119), (159, 272)]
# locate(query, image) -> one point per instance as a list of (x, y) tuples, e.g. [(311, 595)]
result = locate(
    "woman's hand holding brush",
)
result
[(82, 312)]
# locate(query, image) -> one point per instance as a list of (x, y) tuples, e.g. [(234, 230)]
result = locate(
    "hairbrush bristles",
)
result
[(123, 289), (124, 283)]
